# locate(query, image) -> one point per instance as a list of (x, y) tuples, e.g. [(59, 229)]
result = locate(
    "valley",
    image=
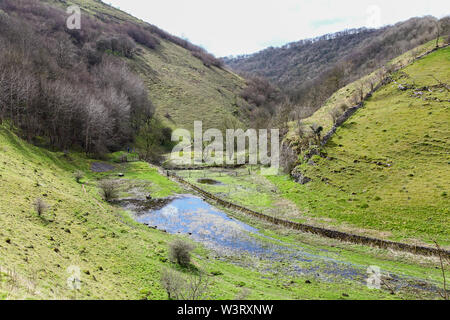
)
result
[(93, 208)]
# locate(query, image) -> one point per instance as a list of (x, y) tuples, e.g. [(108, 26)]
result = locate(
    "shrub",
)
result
[(142, 36), (180, 252), (40, 206), (120, 45), (208, 59), (193, 287), (172, 282), (108, 189), (78, 175), (335, 114)]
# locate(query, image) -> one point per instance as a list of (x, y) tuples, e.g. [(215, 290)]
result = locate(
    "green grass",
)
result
[(182, 87), (406, 201), (269, 195), (344, 96), (118, 258), (160, 186), (79, 229)]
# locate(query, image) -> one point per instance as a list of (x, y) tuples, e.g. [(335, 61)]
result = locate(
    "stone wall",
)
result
[(324, 232)]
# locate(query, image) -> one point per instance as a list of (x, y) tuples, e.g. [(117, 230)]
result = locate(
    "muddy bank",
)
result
[(101, 167), (210, 182)]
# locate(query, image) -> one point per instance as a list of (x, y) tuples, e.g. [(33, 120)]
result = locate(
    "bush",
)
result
[(120, 45), (193, 287), (142, 36), (208, 59), (172, 282), (40, 206), (109, 189), (180, 252), (78, 175)]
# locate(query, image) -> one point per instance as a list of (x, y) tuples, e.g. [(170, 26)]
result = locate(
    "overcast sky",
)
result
[(232, 27)]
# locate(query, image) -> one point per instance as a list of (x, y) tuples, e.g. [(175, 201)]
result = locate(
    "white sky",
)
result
[(231, 27)]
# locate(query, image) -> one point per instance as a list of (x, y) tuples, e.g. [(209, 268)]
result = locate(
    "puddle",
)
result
[(231, 238), (210, 182), (234, 241), (101, 167)]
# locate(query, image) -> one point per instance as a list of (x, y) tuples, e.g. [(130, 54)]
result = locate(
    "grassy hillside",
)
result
[(386, 168), (182, 88), (118, 258), (345, 96)]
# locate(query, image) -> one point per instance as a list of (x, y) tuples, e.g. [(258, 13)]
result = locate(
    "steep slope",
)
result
[(386, 168), (117, 258), (182, 87), (350, 95), (185, 83)]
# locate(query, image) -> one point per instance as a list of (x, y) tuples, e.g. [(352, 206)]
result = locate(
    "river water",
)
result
[(232, 240)]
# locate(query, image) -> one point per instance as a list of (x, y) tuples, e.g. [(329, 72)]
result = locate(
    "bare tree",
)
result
[(335, 114), (178, 287), (317, 130), (109, 189), (40, 206), (444, 293), (360, 91)]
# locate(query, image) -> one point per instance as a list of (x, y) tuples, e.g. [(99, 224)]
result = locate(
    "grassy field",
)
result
[(267, 194), (387, 167), (121, 259), (118, 257)]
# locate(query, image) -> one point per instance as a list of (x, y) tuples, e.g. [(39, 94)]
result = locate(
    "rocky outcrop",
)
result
[(300, 177)]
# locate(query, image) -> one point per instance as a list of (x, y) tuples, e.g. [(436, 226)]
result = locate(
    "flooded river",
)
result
[(235, 241)]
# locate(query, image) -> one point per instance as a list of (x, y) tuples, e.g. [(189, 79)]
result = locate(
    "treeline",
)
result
[(118, 36), (310, 71), (58, 86), (150, 31), (73, 88)]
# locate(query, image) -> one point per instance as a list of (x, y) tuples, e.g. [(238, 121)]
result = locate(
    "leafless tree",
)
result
[(109, 189), (40, 206), (335, 113), (179, 287)]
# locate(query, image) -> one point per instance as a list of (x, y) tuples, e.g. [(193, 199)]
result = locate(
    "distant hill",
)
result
[(386, 167), (96, 88), (312, 70)]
